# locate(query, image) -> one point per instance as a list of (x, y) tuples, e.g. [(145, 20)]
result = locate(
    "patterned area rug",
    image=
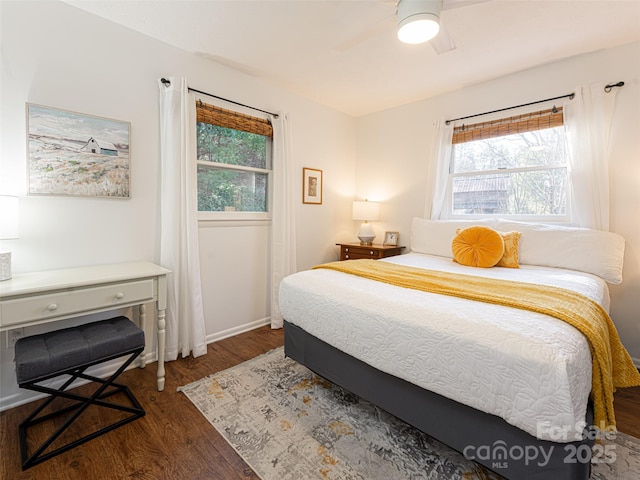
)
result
[(289, 424)]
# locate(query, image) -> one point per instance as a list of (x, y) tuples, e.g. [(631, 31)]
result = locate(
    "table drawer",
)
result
[(68, 302), (357, 256), (354, 253)]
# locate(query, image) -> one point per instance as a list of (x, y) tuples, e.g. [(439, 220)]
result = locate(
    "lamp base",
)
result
[(366, 234), (5, 266)]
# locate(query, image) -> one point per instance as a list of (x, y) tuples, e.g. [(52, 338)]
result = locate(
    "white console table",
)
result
[(37, 298)]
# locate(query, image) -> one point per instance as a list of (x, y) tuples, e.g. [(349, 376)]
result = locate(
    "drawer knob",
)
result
[(346, 249), (51, 307), (346, 256), (119, 296), (371, 252)]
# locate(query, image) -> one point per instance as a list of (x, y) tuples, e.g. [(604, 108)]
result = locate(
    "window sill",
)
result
[(232, 219)]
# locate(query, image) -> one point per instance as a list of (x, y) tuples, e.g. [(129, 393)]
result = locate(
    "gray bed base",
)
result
[(462, 428)]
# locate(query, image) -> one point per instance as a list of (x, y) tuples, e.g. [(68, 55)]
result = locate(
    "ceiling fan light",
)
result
[(418, 28)]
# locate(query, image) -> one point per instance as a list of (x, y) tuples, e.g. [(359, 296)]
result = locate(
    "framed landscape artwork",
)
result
[(77, 154), (311, 186)]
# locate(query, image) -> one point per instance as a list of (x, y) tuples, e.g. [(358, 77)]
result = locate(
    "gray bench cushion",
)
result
[(50, 353)]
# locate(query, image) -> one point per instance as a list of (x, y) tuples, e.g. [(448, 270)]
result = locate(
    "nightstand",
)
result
[(353, 251)]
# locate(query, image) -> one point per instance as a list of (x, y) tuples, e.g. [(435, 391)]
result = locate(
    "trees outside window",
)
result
[(232, 173), (233, 161)]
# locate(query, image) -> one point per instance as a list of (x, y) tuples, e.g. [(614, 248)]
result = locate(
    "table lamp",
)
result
[(8, 229), (366, 211)]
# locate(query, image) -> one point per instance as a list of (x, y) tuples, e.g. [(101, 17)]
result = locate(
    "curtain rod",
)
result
[(607, 89), (568, 95), (168, 82)]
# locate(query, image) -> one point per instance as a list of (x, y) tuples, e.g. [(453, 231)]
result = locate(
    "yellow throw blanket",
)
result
[(611, 363)]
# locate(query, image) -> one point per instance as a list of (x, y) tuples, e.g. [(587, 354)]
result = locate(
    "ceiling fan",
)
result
[(417, 21)]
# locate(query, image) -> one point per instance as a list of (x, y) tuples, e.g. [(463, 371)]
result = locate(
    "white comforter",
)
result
[(532, 370)]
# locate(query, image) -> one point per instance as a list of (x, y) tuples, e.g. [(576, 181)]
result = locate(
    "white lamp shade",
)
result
[(9, 219), (418, 20), (366, 211)]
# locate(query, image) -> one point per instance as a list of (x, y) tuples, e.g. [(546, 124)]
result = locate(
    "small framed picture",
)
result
[(311, 186), (390, 238)]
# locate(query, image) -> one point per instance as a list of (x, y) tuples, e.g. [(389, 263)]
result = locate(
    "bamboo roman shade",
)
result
[(528, 122), (229, 119)]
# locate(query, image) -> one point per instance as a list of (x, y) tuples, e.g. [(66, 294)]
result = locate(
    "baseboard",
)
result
[(231, 332)]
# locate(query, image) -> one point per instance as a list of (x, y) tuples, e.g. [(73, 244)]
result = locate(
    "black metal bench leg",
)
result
[(96, 398)]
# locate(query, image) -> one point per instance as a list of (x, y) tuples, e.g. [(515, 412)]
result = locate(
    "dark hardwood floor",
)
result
[(174, 441)]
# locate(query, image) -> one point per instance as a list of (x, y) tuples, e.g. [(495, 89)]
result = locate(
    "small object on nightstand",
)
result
[(390, 238), (355, 251)]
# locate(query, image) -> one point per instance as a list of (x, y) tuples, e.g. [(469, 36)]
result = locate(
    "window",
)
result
[(514, 167), (234, 162)]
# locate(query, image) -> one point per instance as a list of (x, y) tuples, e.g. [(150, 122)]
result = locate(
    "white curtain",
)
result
[(283, 227), (179, 223), (440, 164), (587, 120)]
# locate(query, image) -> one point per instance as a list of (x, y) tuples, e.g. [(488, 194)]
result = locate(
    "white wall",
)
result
[(60, 56), (393, 148)]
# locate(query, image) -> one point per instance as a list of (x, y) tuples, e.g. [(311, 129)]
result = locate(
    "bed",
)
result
[(507, 387)]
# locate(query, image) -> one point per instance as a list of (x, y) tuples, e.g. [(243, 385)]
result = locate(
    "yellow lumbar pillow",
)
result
[(510, 257), (477, 247)]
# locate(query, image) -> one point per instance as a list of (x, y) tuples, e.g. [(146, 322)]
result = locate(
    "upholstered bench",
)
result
[(70, 352)]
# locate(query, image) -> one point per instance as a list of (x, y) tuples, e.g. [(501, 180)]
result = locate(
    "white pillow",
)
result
[(434, 237), (591, 251)]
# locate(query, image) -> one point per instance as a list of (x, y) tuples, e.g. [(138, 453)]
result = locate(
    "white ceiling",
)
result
[(345, 53)]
